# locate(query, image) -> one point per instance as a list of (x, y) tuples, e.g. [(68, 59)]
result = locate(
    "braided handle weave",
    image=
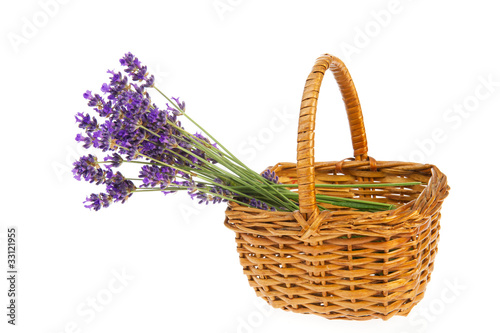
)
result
[(305, 137)]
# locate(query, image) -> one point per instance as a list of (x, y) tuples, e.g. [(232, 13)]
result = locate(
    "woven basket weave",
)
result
[(341, 263)]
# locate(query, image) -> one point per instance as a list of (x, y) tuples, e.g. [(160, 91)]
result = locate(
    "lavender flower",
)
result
[(88, 168), (257, 204), (138, 72), (96, 201), (116, 160), (206, 194), (180, 105), (271, 176), (119, 188), (153, 175), (85, 122), (87, 141)]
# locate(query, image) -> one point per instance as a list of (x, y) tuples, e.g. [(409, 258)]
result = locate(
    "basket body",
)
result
[(356, 265)]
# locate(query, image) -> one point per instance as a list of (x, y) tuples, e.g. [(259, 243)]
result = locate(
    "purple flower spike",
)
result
[(116, 160), (182, 105), (134, 68), (87, 142), (105, 88), (153, 175), (85, 122), (88, 168), (96, 201), (150, 81), (216, 196), (119, 188), (257, 204), (271, 176)]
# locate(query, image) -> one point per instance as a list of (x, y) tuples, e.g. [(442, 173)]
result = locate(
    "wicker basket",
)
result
[(341, 263)]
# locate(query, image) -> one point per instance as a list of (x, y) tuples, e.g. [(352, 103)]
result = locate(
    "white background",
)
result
[(239, 64)]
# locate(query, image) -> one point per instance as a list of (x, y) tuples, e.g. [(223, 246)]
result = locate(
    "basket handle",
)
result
[(305, 136)]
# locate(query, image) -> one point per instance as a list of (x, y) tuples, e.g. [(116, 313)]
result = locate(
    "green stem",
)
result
[(352, 185)]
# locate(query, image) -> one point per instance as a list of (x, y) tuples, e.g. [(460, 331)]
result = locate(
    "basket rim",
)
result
[(411, 213)]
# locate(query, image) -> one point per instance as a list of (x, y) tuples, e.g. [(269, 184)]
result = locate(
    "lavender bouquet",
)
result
[(169, 158)]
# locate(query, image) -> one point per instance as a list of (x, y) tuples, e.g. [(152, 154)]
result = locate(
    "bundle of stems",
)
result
[(172, 159)]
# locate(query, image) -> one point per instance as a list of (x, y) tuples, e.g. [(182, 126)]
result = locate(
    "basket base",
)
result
[(325, 279)]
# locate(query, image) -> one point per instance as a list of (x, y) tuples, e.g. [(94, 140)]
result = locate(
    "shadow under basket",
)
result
[(341, 263)]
